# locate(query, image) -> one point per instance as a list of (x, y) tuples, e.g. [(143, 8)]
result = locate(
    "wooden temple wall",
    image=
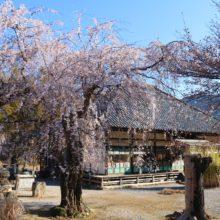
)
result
[(123, 160), (121, 143)]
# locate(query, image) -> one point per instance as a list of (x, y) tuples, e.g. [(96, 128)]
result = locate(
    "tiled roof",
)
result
[(159, 111)]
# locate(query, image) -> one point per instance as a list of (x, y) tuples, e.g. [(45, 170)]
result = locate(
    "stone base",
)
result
[(24, 181)]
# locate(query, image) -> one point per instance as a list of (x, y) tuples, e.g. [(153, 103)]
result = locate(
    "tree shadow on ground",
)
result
[(56, 182), (169, 217), (24, 196), (39, 212), (48, 181), (158, 188)]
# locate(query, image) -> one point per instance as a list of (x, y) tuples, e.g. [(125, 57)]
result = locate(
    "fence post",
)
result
[(120, 180), (101, 182)]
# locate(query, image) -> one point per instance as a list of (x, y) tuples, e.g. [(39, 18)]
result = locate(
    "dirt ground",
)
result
[(134, 203)]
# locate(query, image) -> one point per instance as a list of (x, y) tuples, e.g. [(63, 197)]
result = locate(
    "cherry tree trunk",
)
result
[(194, 192), (71, 191), (71, 176), (64, 190)]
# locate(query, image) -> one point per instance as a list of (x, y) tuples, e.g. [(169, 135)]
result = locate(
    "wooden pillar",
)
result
[(194, 192), (131, 146), (17, 182), (106, 153), (155, 143), (171, 162)]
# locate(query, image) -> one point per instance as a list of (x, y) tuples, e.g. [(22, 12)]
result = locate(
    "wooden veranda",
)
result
[(103, 181)]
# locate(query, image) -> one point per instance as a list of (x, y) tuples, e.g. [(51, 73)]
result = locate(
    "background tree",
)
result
[(197, 66)]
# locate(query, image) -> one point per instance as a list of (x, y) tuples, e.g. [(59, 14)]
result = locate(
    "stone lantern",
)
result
[(4, 175)]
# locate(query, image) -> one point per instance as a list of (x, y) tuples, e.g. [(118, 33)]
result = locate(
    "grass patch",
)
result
[(168, 191), (77, 215), (86, 206), (58, 211)]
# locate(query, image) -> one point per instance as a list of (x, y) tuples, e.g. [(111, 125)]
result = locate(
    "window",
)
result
[(121, 158), (163, 158)]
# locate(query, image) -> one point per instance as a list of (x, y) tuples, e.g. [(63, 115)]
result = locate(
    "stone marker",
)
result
[(38, 189)]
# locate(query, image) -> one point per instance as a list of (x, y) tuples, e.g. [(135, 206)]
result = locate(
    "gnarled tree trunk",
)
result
[(71, 175), (71, 179), (64, 190), (71, 183), (194, 192)]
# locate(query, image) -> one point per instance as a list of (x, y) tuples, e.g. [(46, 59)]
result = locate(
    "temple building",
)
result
[(149, 129)]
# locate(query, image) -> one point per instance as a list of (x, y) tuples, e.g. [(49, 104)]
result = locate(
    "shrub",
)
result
[(11, 208), (212, 173)]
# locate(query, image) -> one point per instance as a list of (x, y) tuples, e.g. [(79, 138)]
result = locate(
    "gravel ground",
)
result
[(134, 203)]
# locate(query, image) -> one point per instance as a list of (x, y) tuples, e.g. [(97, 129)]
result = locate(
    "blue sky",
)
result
[(144, 20)]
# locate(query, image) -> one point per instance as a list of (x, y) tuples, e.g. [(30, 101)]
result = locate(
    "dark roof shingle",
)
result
[(159, 111)]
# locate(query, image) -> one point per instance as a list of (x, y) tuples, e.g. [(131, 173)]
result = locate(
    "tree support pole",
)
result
[(194, 192)]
